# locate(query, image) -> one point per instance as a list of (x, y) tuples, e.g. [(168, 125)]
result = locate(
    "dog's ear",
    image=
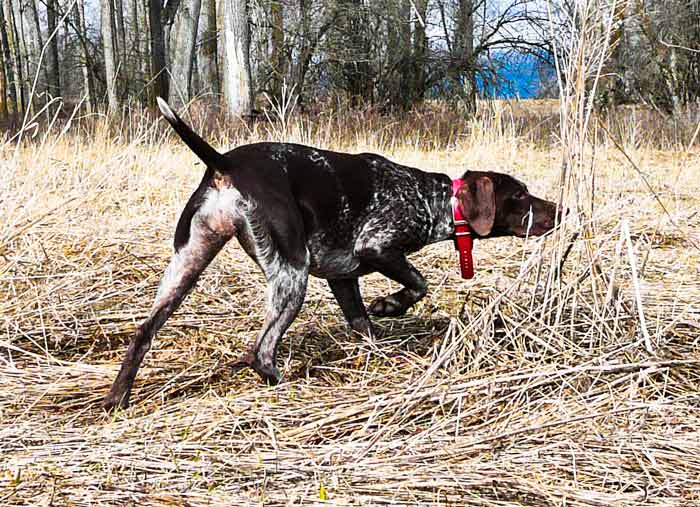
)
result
[(478, 205)]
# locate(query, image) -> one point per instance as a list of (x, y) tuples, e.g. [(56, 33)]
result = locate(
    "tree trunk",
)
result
[(135, 56), (300, 66), (220, 43), (277, 59), (356, 69), (7, 63), (107, 23), (463, 59), (420, 50), (633, 47), (309, 42), (120, 50), (25, 50), (143, 58), (160, 78), (88, 85), (182, 46), (405, 15), (14, 56), (54, 84), (207, 59), (396, 89), (673, 84), (168, 19), (34, 28), (3, 87), (66, 52), (238, 90)]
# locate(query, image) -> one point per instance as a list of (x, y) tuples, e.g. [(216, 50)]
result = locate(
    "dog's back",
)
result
[(338, 192)]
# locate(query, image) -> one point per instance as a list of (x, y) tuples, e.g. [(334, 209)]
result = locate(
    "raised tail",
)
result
[(199, 146)]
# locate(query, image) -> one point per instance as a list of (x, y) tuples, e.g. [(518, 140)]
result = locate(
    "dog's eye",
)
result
[(520, 194)]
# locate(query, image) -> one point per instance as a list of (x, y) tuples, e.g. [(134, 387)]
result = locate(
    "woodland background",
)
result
[(387, 54)]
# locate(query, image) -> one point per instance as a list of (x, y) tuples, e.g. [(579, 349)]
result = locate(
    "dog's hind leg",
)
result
[(278, 248), (210, 227), (286, 289)]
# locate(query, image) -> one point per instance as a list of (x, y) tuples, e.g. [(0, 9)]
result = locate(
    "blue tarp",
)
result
[(518, 76)]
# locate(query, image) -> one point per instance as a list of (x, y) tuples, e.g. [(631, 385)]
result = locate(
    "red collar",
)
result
[(463, 235)]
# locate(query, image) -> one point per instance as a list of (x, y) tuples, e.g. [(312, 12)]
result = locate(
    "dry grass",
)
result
[(520, 387)]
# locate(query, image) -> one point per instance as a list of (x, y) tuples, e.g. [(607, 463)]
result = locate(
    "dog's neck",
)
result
[(441, 209)]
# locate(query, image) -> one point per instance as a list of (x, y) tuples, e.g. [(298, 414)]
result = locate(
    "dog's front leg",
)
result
[(347, 293), (395, 266)]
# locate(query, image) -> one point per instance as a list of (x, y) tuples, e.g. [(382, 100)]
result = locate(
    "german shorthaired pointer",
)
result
[(298, 210)]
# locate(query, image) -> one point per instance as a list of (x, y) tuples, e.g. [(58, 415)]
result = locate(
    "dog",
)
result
[(298, 210)]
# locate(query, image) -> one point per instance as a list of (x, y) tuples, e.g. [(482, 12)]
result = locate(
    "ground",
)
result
[(520, 387)]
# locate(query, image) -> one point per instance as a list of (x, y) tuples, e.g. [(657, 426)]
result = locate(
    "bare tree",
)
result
[(34, 41), (420, 50), (278, 63), (394, 56), (81, 31), (119, 32), (463, 63), (182, 51), (238, 90), (13, 55), (312, 27), (353, 52), (136, 60), (8, 70), (54, 83), (159, 76), (207, 55), (391, 53), (656, 54), (108, 47), (3, 77)]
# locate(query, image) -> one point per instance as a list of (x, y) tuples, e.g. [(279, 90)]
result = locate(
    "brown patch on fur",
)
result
[(221, 223), (220, 181)]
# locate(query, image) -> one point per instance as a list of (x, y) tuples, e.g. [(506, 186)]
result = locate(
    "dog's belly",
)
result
[(334, 263)]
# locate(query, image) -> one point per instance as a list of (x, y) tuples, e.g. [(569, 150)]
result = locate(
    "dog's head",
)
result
[(496, 205)]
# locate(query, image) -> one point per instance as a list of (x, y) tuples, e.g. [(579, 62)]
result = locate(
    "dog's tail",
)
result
[(199, 146)]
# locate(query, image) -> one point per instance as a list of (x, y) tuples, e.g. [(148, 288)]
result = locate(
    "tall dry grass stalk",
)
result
[(582, 47)]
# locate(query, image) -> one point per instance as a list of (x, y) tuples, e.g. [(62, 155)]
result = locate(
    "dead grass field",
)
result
[(516, 388)]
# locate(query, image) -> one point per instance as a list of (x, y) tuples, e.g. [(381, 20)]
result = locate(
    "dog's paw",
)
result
[(362, 326), (114, 401), (268, 372), (270, 375), (387, 306)]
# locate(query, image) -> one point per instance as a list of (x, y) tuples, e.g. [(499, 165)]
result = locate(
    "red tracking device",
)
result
[(463, 235)]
